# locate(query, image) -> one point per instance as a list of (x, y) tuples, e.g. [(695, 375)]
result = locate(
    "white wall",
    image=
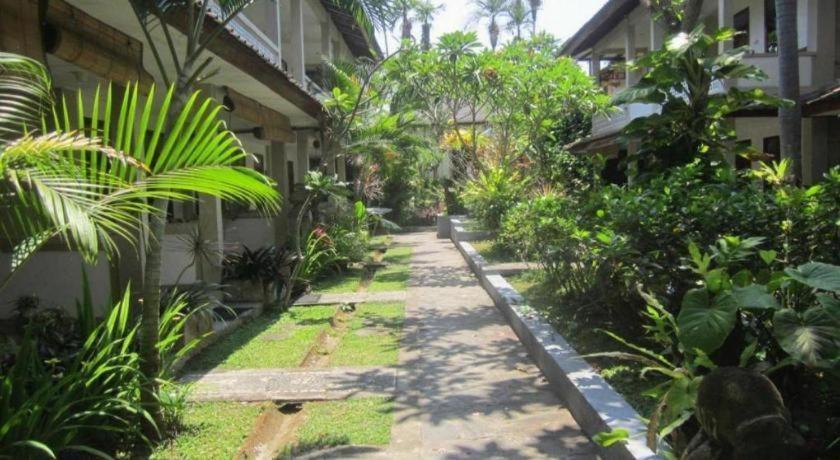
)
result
[(253, 232), (56, 278), (176, 257)]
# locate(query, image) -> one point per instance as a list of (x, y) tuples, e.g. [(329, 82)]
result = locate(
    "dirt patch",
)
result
[(275, 428), (279, 336)]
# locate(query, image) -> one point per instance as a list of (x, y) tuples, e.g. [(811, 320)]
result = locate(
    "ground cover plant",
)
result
[(394, 276)]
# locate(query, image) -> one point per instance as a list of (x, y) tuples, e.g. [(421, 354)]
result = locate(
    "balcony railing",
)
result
[(769, 63), (246, 30)]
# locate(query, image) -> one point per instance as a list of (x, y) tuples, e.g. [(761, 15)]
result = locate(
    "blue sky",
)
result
[(562, 18)]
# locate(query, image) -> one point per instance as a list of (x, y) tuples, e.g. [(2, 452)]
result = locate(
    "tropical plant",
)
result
[(678, 15), (693, 122), (491, 11), (45, 414), (492, 194)]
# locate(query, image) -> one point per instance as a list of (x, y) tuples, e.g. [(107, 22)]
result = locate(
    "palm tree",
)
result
[(535, 8), (490, 10), (518, 18), (402, 13), (790, 117), (425, 11)]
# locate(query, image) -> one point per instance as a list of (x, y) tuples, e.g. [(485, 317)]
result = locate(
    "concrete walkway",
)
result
[(466, 388)]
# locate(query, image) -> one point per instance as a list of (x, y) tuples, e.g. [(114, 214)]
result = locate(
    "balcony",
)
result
[(769, 63), (621, 117)]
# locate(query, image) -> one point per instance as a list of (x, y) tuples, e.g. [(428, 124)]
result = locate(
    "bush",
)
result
[(492, 194)]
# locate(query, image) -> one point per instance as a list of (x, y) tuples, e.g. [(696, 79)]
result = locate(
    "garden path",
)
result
[(466, 387)]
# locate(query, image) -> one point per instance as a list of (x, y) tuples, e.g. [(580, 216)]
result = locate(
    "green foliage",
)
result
[(492, 193), (693, 122)]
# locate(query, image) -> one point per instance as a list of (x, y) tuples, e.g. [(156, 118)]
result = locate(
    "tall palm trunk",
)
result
[(535, 7), (150, 321), (406, 25), (494, 33), (790, 118), (427, 36)]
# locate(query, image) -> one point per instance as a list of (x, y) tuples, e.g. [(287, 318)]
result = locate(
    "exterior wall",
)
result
[(254, 232), (176, 257), (56, 278)]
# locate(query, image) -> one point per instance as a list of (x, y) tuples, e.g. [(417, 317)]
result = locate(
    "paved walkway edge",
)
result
[(595, 405)]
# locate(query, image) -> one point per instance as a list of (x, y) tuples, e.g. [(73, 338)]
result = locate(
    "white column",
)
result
[(279, 172), (296, 55), (211, 229), (279, 32), (326, 41), (630, 52), (595, 65), (657, 34), (302, 156), (725, 20)]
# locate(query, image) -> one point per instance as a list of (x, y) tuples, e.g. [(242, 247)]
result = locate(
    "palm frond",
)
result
[(25, 95)]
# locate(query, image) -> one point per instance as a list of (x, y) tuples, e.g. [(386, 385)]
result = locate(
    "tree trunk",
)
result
[(406, 26), (790, 118), (150, 322), (494, 34), (150, 364), (427, 36)]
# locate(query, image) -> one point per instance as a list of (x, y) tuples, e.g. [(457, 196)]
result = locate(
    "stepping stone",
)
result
[(292, 385), (358, 297)]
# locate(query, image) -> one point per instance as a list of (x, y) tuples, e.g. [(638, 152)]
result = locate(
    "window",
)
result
[(741, 24), (771, 39), (773, 147)]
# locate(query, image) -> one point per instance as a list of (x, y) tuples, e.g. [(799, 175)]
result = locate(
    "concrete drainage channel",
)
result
[(595, 405)]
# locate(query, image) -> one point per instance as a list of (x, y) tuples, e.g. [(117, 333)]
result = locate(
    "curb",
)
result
[(594, 404), (459, 233)]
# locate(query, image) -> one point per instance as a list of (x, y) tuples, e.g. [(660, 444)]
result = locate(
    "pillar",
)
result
[(211, 230), (595, 66), (657, 33), (296, 55), (279, 32), (326, 41), (630, 52), (280, 174), (302, 156), (725, 20)]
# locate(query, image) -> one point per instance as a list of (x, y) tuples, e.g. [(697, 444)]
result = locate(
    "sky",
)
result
[(562, 18)]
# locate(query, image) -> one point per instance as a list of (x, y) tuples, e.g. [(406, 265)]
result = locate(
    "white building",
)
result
[(269, 62), (625, 29)]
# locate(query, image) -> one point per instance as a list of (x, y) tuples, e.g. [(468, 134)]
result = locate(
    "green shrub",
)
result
[(492, 194)]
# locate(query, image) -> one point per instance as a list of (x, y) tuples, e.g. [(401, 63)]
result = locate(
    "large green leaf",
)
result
[(831, 305), (706, 322), (755, 297), (817, 275), (810, 337)]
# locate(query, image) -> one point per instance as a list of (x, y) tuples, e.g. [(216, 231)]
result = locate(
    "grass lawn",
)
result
[(381, 240), (493, 252), (211, 430), (271, 341), (354, 422), (373, 336), (339, 283), (394, 277), (584, 337)]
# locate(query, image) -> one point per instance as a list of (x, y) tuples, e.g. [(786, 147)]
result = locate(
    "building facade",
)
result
[(625, 29), (268, 68)]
